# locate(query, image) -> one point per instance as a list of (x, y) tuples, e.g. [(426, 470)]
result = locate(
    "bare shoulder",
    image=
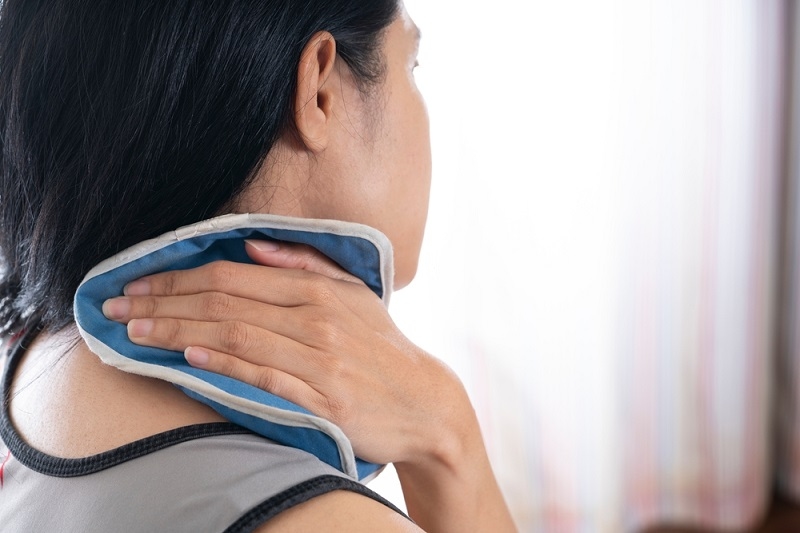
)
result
[(339, 511), (66, 402)]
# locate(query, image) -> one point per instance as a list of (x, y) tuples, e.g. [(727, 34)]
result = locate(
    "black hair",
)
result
[(121, 120)]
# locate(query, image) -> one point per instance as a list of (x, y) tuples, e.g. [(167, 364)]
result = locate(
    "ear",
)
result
[(313, 106)]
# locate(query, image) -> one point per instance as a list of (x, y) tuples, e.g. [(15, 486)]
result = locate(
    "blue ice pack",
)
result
[(363, 251)]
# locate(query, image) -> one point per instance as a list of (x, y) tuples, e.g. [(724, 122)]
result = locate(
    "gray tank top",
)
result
[(203, 478)]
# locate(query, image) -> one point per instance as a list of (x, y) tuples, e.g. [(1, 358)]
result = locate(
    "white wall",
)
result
[(580, 149)]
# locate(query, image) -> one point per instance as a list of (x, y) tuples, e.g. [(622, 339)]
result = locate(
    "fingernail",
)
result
[(137, 288), (196, 356), (140, 328), (117, 308), (264, 246)]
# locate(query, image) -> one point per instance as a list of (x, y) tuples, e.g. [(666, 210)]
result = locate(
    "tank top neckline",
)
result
[(72, 467)]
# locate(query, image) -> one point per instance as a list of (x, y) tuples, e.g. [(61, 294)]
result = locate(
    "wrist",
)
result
[(451, 487), (450, 438)]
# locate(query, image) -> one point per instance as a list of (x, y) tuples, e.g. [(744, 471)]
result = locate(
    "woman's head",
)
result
[(124, 120), (354, 155)]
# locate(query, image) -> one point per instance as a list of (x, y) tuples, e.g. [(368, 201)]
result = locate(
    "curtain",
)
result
[(787, 372), (609, 264)]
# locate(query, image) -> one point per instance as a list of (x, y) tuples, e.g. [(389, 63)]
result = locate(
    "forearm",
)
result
[(455, 490)]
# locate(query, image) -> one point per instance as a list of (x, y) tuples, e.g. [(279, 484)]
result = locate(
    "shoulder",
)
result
[(238, 483), (324, 503), (242, 482), (63, 400), (340, 510)]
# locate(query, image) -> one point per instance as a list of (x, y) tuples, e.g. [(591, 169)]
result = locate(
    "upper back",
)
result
[(200, 475)]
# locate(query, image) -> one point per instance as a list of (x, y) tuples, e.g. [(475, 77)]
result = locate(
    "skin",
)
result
[(361, 158), (296, 324)]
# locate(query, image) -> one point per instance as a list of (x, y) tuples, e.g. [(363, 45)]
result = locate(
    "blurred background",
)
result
[(611, 261)]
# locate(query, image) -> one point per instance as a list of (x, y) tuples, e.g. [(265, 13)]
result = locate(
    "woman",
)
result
[(122, 121)]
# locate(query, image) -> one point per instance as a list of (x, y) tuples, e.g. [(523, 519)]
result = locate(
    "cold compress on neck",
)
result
[(363, 251)]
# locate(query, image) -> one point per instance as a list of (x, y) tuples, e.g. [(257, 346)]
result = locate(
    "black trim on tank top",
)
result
[(302, 493), (61, 467)]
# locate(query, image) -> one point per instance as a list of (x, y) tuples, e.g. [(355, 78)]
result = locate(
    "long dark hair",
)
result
[(122, 120)]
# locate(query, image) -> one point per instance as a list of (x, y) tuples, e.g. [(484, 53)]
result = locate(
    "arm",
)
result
[(301, 328), (455, 490), (339, 511)]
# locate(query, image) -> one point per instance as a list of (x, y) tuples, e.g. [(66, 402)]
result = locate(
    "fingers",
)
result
[(287, 275), (296, 256), (220, 276), (248, 343), (277, 286), (209, 307), (275, 325), (263, 377)]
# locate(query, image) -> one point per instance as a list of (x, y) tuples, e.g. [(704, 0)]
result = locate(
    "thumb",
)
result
[(297, 256)]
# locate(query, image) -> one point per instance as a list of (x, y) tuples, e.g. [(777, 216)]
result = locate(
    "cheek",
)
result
[(388, 184), (417, 154), (411, 185)]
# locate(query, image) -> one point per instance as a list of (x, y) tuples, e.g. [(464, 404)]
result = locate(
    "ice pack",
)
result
[(361, 250)]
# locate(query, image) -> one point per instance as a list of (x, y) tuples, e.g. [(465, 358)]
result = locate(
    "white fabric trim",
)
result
[(225, 223), (221, 225)]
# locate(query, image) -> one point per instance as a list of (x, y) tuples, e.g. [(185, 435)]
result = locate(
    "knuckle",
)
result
[(334, 409), (267, 380), (148, 306), (169, 284), (235, 338), (334, 367), (216, 306), (323, 331), (220, 274), (168, 330), (320, 290), (331, 366), (227, 366)]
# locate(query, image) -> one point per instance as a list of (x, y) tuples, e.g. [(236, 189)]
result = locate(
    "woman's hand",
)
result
[(300, 327)]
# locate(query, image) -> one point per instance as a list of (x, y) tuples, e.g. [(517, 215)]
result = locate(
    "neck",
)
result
[(67, 403)]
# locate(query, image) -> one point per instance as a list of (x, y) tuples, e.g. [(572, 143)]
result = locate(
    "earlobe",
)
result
[(314, 99)]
